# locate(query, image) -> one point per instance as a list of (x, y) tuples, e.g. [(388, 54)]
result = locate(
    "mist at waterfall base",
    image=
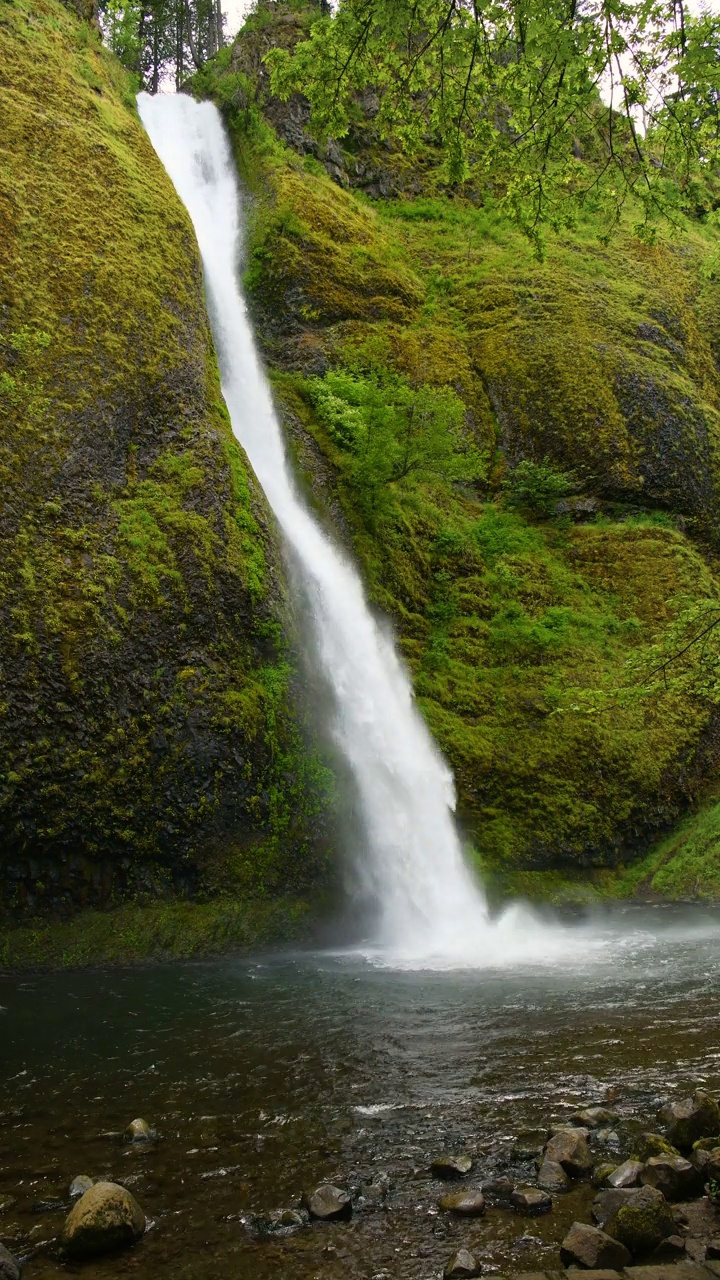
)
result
[(430, 912)]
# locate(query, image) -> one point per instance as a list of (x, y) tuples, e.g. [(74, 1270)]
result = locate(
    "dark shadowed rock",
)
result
[(594, 1117), (499, 1190), (530, 1200), (676, 1177), (670, 1250), (569, 1148), (328, 1203), (462, 1264), (9, 1266), (529, 1144), (470, 1204), (713, 1249), (690, 1119), (652, 1144), (642, 1221), (627, 1174), (449, 1167), (104, 1219), (591, 1248), (552, 1176), (606, 1204)]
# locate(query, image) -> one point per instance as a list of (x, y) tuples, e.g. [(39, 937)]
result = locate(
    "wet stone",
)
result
[(328, 1203), (594, 1117), (627, 1174), (449, 1167), (9, 1266), (499, 1190), (569, 1148), (690, 1119), (278, 1222), (139, 1133), (591, 1248), (530, 1200), (80, 1185), (552, 1177), (461, 1264), (106, 1218), (529, 1144), (676, 1177), (469, 1204)]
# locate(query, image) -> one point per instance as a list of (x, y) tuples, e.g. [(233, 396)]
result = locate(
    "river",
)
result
[(266, 1075)]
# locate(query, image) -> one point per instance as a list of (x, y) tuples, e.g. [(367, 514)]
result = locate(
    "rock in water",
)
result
[(569, 1148), (591, 1248), (627, 1174), (652, 1144), (462, 1264), (594, 1117), (328, 1203), (677, 1178), (643, 1221), (470, 1204), (139, 1132), (530, 1200), (529, 1144), (449, 1167), (690, 1119), (80, 1185), (105, 1218), (552, 1176), (10, 1267)]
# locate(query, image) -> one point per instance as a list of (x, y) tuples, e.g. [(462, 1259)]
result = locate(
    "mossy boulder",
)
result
[(149, 739), (105, 1219), (642, 1221), (691, 1118)]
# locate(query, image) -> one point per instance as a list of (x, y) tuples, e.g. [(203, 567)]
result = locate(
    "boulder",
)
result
[(9, 1266), (627, 1174), (449, 1167), (652, 1144), (80, 1185), (469, 1204), (140, 1133), (529, 1144), (642, 1221), (702, 1144), (328, 1203), (569, 1148), (462, 1264), (606, 1204), (591, 1248), (530, 1200), (105, 1218), (676, 1177), (594, 1117), (690, 1119), (670, 1250), (499, 1190), (552, 1176)]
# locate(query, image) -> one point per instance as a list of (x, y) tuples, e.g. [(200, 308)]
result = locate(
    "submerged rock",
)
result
[(140, 1133), (589, 1247), (328, 1203), (277, 1222), (690, 1119), (530, 1200), (676, 1177), (594, 1117), (105, 1218), (9, 1266), (462, 1264), (80, 1185), (552, 1176), (627, 1174), (642, 1221), (529, 1144), (569, 1148), (470, 1204), (449, 1167)]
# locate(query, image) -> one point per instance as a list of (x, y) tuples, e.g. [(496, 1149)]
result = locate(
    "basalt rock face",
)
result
[(600, 361), (147, 737)]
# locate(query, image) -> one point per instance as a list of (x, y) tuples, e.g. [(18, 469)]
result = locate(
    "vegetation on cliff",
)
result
[(148, 737), (562, 511)]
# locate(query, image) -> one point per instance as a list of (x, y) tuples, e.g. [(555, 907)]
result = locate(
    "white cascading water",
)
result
[(430, 910)]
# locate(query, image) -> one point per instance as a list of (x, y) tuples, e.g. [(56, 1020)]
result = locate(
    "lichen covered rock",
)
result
[(105, 1218)]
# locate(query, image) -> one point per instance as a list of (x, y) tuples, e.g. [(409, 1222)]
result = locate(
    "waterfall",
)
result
[(429, 907)]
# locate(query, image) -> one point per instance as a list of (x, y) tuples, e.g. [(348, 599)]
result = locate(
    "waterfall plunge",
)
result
[(430, 910)]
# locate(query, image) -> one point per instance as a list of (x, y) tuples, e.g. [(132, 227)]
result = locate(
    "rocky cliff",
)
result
[(149, 741), (372, 281)]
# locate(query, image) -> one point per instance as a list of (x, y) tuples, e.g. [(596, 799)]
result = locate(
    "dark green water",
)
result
[(264, 1076)]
